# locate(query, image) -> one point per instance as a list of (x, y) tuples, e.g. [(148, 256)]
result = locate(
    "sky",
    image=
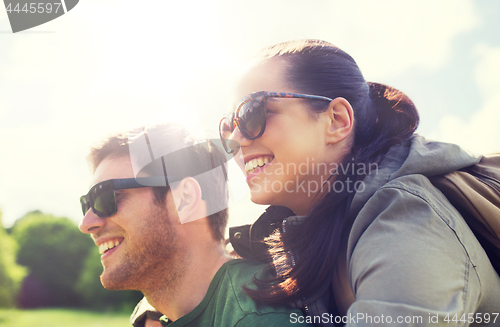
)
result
[(109, 66)]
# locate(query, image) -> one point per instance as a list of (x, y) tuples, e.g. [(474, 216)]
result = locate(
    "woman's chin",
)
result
[(261, 198)]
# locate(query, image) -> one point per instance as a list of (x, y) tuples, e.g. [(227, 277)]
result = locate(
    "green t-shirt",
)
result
[(227, 304)]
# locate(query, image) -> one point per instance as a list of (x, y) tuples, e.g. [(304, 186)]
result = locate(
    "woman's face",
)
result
[(289, 163)]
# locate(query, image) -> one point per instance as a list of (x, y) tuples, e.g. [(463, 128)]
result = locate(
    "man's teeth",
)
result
[(108, 246), (256, 163)]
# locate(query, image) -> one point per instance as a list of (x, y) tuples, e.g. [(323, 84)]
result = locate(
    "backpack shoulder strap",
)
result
[(475, 192)]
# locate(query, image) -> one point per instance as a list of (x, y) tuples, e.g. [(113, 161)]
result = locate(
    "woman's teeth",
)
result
[(257, 163)]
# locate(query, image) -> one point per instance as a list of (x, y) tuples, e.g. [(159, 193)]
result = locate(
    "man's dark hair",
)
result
[(190, 157)]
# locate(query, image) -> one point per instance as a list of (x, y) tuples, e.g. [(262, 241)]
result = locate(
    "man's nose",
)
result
[(91, 222)]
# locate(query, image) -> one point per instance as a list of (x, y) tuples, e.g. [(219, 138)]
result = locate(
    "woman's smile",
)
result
[(257, 163)]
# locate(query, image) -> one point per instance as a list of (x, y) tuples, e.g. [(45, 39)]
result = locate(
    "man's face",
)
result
[(140, 240)]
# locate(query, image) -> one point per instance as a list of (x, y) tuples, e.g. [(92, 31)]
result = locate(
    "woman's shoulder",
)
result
[(410, 204), (396, 196), (408, 236)]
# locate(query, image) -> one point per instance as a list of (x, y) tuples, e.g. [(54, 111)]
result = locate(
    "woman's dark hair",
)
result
[(383, 117)]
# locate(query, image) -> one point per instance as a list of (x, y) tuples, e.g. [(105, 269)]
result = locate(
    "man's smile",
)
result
[(109, 244)]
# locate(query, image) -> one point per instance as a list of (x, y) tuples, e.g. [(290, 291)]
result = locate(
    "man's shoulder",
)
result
[(241, 274), (245, 270), (227, 304)]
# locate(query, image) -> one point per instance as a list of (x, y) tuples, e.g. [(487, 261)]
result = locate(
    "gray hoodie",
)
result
[(411, 258)]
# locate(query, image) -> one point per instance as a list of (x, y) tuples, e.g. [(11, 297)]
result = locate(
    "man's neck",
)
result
[(175, 301)]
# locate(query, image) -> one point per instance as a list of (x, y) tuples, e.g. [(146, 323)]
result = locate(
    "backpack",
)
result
[(475, 192)]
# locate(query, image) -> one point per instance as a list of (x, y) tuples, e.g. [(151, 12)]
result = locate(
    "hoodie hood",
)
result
[(417, 156)]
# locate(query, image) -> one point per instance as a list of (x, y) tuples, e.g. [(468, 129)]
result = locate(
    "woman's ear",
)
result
[(340, 122), (188, 202)]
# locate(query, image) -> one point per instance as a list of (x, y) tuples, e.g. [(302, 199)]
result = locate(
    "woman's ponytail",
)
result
[(397, 117)]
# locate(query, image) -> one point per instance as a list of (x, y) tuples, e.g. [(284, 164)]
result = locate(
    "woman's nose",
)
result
[(237, 136)]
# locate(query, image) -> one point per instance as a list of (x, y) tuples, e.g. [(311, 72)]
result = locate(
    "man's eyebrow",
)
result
[(122, 192)]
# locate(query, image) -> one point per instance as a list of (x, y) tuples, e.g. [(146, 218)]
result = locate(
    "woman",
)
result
[(369, 234)]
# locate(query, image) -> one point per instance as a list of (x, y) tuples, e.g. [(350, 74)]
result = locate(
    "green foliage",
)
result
[(54, 250), (95, 295), (11, 274), (62, 318)]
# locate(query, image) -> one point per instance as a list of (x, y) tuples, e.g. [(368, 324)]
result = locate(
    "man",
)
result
[(160, 240)]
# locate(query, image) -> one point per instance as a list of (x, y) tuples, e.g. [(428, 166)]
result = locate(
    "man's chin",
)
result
[(115, 283)]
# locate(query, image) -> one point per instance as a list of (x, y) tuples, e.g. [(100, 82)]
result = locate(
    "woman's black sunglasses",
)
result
[(101, 197), (250, 115)]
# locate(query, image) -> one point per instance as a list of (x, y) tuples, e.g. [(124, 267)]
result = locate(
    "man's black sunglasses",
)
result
[(179, 164), (101, 197)]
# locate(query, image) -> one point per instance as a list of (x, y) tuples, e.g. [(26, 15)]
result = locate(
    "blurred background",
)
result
[(109, 66)]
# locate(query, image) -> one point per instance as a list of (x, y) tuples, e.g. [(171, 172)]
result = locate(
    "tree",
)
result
[(53, 250), (11, 274)]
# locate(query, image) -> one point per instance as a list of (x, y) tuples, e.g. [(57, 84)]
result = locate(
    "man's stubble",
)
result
[(155, 261)]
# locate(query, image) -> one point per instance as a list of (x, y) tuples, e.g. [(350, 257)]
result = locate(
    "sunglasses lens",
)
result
[(251, 118), (85, 204), (105, 204), (102, 200), (225, 128)]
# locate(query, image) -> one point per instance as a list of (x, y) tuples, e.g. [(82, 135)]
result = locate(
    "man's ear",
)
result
[(340, 120), (188, 202)]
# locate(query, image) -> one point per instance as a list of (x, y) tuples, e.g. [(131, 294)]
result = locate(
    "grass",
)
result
[(62, 317)]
